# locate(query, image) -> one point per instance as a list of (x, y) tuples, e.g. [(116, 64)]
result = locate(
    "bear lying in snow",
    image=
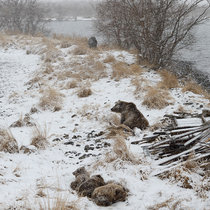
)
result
[(130, 115), (109, 194), (81, 176), (87, 187), (94, 187)]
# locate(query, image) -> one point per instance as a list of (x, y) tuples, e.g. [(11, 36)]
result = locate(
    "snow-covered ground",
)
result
[(29, 67)]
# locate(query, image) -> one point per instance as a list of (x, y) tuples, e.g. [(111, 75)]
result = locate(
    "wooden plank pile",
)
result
[(187, 137)]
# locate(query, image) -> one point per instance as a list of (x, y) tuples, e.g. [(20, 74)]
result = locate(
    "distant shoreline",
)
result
[(77, 18)]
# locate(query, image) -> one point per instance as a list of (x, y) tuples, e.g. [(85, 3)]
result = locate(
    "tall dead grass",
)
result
[(39, 137), (51, 99), (58, 203), (123, 70), (169, 80), (84, 92), (109, 59), (193, 87), (156, 98), (120, 70), (141, 85), (7, 142)]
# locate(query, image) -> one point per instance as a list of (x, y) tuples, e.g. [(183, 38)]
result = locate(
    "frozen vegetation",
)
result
[(56, 96)]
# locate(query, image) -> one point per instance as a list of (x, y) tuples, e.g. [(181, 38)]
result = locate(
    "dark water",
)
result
[(199, 53), (83, 28)]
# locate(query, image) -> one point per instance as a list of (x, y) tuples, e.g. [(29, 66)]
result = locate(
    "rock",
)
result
[(206, 112), (28, 150), (69, 143), (26, 121), (66, 136), (87, 148), (56, 139), (92, 42), (87, 187), (108, 194), (33, 110)]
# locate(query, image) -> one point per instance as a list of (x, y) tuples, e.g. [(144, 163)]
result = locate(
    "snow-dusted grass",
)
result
[(39, 74)]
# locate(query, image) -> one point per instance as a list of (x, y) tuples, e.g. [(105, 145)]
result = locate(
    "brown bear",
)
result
[(130, 115), (109, 194), (81, 176), (87, 187)]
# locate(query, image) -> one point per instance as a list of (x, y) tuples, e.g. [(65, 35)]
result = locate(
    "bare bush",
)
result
[(39, 137), (7, 142), (24, 16), (156, 98), (157, 29)]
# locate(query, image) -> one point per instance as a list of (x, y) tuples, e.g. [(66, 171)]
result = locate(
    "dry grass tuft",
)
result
[(79, 50), (7, 142), (71, 84), (156, 98), (3, 40), (123, 70), (109, 59), (121, 150), (84, 92), (60, 202), (169, 80), (120, 70), (40, 135), (51, 99), (141, 85), (193, 87), (135, 69), (165, 204), (48, 69), (65, 44)]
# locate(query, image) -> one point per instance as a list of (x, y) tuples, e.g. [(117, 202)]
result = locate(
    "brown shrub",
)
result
[(65, 44), (109, 59), (120, 70), (135, 69), (71, 84), (79, 51), (169, 80), (193, 87), (156, 98), (121, 150), (140, 84), (39, 139), (51, 99), (84, 92), (7, 142)]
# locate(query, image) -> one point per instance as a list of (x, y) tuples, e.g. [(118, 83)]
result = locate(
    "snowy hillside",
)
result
[(56, 97)]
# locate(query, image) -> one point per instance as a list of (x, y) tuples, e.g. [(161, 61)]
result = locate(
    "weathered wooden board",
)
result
[(188, 122)]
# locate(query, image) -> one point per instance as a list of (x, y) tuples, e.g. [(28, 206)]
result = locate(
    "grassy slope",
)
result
[(71, 91)]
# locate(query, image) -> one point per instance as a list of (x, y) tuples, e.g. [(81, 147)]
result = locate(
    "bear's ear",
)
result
[(118, 102), (131, 106)]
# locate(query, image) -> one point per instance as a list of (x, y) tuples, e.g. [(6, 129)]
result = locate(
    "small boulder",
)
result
[(92, 42)]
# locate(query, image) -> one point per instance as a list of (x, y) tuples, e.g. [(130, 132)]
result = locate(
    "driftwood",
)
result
[(188, 137)]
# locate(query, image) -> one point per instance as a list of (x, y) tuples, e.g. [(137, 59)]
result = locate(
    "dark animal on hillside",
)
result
[(109, 194), (87, 187), (92, 42), (81, 175), (130, 115)]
